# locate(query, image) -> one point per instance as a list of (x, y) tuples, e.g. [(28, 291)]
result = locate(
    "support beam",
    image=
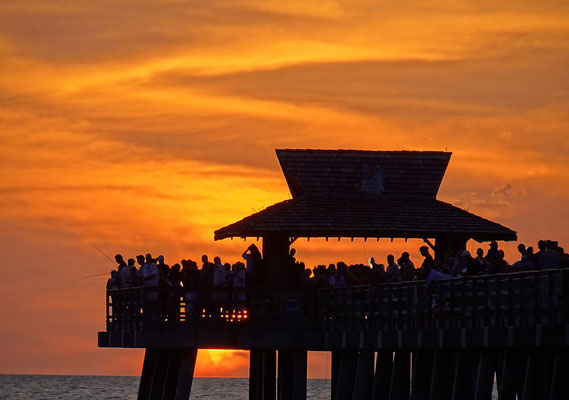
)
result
[(346, 374), (465, 369), (422, 374), (275, 257), (382, 377), (535, 385), (400, 377), (441, 377), (292, 369), (485, 375), (513, 366), (448, 244), (334, 368), (150, 356), (364, 376), (167, 374), (262, 374), (558, 388)]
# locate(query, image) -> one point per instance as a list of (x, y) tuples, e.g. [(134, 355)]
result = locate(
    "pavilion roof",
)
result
[(350, 193)]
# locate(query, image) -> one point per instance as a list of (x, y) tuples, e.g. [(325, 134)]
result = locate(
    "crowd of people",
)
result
[(150, 271)]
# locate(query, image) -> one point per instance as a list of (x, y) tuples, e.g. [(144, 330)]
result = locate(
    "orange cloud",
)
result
[(147, 133)]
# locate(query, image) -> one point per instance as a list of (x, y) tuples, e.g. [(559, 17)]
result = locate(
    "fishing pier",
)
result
[(454, 339)]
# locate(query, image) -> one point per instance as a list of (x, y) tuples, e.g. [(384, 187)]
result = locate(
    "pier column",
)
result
[(422, 374), (292, 368), (334, 368), (167, 374), (535, 384), (382, 377), (400, 377), (346, 374), (559, 388), (442, 374), (485, 375), (465, 369), (511, 374), (364, 376), (262, 374)]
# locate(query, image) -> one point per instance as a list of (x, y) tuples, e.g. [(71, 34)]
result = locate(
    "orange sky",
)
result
[(145, 125)]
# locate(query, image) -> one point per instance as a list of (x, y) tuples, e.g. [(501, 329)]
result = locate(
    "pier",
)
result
[(451, 339)]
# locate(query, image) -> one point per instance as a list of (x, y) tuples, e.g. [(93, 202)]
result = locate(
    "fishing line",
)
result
[(100, 251)]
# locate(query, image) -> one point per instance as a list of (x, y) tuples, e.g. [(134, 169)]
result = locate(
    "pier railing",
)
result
[(135, 309), (523, 299)]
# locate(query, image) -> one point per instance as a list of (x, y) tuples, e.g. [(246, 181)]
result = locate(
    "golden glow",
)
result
[(148, 134)]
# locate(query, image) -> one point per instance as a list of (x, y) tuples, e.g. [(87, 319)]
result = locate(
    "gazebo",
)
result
[(362, 194)]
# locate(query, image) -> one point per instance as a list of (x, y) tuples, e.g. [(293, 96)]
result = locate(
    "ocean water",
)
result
[(77, 387), (71, 387)]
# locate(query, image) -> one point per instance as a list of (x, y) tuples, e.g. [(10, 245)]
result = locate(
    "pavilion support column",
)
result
[(275, 255), (448, 244), (292, 374), (262, 374)]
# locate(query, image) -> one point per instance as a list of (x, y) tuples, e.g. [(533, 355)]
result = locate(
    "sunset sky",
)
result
[(145, 125)]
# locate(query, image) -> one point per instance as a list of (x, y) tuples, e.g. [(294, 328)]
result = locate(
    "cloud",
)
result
[(509, 192)]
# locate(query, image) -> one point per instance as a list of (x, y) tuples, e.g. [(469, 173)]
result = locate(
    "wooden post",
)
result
[(484, 375), (262, 374), (167, 374), (558, 389), (292, 369), (346, 374), (464, 375), (399, 388), (511, 374), (448, 244), (334, 369), (364, 376), (145, 385), (382, 377), (421, 374), (535, 386), (441, 377), (275, 257)]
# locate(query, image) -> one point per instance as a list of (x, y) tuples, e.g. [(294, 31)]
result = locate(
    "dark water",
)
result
[(40, 387), (71, 387)]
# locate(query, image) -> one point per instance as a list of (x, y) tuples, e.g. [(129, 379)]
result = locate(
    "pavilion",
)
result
[(362, 194)]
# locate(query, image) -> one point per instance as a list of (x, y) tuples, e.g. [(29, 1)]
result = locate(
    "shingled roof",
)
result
[(349, 193)]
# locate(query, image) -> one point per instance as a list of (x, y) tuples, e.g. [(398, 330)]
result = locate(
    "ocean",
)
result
[(76, 387), (73, 387)]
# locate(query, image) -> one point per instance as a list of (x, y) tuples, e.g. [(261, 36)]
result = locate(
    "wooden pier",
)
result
[(391, 341), (453, 339)]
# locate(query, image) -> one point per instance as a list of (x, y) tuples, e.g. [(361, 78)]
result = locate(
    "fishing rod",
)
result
[(100, 251)]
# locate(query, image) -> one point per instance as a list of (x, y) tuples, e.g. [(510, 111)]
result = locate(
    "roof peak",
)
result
[(395, 174)]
